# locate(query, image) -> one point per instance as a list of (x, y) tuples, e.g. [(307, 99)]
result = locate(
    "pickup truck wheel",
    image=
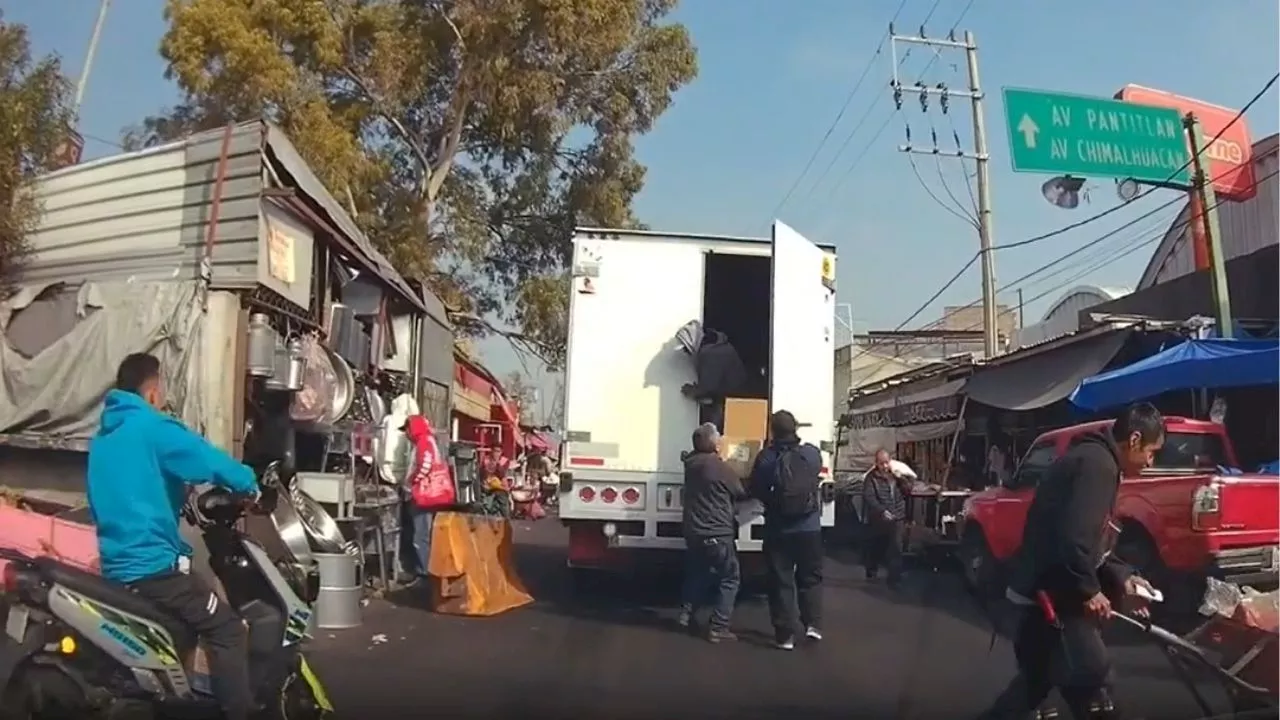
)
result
[(978, 566)]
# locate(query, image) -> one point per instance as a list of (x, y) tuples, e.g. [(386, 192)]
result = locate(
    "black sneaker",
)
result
[(719, 636), (684, 619), (785, 643)]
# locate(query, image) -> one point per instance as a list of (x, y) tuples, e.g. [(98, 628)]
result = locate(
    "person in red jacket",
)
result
[(416, 521)]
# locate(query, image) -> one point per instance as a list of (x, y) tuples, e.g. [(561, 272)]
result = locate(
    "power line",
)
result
[(1109, 211), (1265, 88), (879, 131), (1135, 243), (866, 71)]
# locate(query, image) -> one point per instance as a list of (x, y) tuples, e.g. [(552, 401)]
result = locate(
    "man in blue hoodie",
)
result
[(141, 466), (785, 478)]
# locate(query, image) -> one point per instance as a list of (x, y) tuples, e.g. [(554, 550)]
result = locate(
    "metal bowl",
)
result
[(318, 523), (344, 394)]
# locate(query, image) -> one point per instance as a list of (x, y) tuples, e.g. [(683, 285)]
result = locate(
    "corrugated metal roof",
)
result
[(287, 155), (145, 214), (1246, 226)]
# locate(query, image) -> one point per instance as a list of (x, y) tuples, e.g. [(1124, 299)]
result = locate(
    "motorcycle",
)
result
[(78, 645)]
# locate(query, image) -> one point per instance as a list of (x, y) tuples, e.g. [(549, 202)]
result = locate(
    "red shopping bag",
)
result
[(431, 484)]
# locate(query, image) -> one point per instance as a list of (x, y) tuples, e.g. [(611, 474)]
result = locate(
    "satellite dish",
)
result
[(1063, 191), (1127, 189)]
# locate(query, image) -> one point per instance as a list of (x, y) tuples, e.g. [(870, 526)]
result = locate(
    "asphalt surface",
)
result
[(921, 652)]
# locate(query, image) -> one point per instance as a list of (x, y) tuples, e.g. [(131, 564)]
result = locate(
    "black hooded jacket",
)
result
[(720, 370), (1067, 538)]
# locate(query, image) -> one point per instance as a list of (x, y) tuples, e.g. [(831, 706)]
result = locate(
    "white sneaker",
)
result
[(788, 644), (813, 633)]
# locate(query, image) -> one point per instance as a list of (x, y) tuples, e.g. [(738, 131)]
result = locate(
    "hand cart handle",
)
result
[(1169, 639)]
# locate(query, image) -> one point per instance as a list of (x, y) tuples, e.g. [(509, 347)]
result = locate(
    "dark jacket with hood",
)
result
[(711, 488), (1067, 539), (719, 367), (764, 475)]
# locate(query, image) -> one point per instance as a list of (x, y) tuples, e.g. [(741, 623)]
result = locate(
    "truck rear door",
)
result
[(801, 339), (623, 407)]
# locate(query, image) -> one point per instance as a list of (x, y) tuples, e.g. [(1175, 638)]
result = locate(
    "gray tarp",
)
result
[(52, 394)]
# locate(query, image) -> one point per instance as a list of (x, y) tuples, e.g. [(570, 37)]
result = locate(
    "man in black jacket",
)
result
[(712, 576), (885, 506), (1065, 579), (786, 478)]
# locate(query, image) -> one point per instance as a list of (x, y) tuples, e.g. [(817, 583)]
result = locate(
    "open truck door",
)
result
[(802, 343)]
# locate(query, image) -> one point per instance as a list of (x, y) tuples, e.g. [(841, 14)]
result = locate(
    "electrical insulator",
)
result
[(897, 94), (944, 99), (924, 96)]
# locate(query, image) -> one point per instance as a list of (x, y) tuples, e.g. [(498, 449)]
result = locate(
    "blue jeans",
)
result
[(415, 539), (712, 577)]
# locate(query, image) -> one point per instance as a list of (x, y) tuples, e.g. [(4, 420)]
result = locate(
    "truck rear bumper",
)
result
[(1258, 567)]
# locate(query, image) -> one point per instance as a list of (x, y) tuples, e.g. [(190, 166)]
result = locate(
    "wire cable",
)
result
[(880, 131), (1029, 241), (915, 170), (1136, 243), (1109, 211), (839, 115)]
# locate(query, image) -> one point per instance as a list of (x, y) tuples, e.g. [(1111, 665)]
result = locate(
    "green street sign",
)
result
[(1063, 134)]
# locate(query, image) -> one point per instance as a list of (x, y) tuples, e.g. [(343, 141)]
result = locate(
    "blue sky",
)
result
[(773, 76)]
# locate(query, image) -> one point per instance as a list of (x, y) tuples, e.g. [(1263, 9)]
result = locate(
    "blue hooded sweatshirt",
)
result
[(140, 464)]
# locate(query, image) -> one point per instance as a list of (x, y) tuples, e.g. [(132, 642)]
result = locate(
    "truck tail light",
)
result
[(1206, 507), (587, 494)]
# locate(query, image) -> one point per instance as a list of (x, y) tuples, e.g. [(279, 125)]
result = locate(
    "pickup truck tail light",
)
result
[(1206, 507)]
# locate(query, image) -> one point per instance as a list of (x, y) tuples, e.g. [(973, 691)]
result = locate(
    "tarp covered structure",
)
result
[(472, 567), (1194, 364)]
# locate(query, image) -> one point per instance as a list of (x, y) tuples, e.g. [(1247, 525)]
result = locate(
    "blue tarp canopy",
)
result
[(1189, 365)]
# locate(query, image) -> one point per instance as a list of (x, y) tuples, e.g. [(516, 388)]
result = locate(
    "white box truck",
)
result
[(626, 420)]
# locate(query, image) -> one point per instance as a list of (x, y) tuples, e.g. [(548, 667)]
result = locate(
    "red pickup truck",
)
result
[(1181, 519)]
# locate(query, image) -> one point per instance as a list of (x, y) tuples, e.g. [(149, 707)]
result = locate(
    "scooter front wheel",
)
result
[(303, 697)]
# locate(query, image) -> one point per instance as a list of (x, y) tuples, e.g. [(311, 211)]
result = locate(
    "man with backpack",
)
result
[(785, 479)]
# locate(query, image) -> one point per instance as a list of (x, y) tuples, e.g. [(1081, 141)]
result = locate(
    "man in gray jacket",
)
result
[(712, 575)]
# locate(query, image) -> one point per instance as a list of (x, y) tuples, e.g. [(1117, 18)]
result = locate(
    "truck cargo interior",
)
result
[(735, 301)]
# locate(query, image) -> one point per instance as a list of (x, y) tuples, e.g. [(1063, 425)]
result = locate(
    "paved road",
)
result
[(918, 654)]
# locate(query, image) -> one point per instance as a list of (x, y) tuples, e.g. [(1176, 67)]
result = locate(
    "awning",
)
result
[(858, 447), (1189, 365), (1044, 375), (902, 407)]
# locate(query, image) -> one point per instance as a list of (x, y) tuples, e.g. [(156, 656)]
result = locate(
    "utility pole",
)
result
[(90, 53), (990, 321)]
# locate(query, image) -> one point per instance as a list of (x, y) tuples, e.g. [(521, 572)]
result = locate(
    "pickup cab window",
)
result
[(1190, 451), (1033, 466)]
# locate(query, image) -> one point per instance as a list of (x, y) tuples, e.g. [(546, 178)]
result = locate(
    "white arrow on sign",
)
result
[(1029, 130)]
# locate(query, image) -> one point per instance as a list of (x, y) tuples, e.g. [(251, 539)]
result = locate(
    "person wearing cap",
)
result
[(712, 574), (785, 478)]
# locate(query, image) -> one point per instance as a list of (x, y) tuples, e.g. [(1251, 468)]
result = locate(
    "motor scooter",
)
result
[(78, 645)]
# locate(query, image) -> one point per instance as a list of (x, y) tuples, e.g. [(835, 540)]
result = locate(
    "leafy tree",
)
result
[(34, 122), (468, 136), (520, 390)]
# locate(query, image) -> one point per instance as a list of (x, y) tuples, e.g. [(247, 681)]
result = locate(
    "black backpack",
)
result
[(795, 489)]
